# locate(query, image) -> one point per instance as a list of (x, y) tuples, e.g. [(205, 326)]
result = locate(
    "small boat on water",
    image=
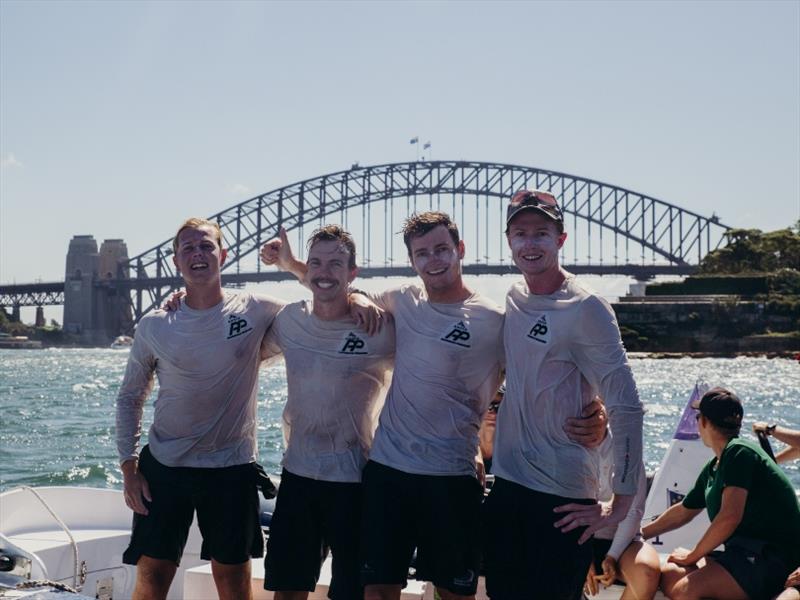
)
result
[(52, 537), (18, 342), (122, 342)]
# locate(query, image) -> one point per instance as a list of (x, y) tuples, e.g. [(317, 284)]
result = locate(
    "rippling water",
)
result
[(57, 409)]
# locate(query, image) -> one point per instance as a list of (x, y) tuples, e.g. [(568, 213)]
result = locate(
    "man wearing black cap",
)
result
[(562, 347), (753, 511)]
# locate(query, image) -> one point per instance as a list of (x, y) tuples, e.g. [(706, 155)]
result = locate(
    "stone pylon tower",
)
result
[(113, 307), (82, 263), (95, 308)]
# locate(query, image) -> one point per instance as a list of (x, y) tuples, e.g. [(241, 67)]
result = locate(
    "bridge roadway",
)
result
[(52, 293)]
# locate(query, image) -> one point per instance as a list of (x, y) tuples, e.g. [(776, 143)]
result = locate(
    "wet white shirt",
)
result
[(561, 350), (447, 369), (337, 379), (207, 365), (629, 529)]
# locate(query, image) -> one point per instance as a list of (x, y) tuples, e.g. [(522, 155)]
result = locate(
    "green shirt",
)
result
[(771, 511)]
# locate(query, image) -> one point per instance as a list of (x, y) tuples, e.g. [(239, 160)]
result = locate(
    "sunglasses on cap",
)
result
[(535, 198)]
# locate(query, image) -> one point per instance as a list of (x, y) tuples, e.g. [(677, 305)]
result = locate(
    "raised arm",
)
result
[(278, 252)]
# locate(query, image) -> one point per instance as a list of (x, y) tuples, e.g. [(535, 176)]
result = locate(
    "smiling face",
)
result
[(437, 260), (329, 271), (198, 256), (534, 240)]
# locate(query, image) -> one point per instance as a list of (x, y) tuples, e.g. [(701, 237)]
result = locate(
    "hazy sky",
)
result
[(120, 119)]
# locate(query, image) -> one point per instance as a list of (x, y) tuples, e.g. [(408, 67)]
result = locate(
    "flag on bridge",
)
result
[(426, 145), (414, 140)]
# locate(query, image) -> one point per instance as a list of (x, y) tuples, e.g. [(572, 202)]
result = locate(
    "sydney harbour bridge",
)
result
[(611, 229)]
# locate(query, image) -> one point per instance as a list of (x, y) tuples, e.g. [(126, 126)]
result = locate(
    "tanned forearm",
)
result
[(674, 517), (788, 454), (787, 436)]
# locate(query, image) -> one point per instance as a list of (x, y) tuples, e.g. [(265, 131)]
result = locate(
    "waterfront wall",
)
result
[(714, 324)]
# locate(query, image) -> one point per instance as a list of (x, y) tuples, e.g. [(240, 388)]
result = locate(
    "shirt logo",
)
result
[(353, 345), (458, 335), (237, 326), (540, 332)]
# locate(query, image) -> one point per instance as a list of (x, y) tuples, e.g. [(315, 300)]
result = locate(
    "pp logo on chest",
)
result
[(236, 326), (540, 332), (458, 334), (353, 345)]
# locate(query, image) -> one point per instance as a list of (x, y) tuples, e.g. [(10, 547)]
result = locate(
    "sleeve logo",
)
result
[(237, 326), (458, 335), (353, 345), (540, 332)]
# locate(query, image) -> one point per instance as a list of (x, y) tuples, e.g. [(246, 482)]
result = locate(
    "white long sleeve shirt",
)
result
[(561, 350), (207, 365)]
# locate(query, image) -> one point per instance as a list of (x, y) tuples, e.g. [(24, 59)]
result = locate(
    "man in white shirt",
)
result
[(337, 377), (202, 443), (562, 347)]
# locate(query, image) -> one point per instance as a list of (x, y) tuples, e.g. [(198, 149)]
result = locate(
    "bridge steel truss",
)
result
[(32, 294), (603, 219)]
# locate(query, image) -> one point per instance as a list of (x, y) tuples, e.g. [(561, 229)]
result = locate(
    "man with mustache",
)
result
[(337, 378)]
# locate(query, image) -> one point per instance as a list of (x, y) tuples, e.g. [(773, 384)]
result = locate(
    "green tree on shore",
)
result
[(753, 251)]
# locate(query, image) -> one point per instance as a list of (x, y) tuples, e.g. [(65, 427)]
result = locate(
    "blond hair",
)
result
[(197, 223)]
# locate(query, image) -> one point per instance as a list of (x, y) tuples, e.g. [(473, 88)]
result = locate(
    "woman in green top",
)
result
[(753, 511)]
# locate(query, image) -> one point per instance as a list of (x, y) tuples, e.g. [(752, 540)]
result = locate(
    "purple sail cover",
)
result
[(687, 426)]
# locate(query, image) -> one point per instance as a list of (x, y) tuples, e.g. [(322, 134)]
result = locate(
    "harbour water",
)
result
[(57, 409)]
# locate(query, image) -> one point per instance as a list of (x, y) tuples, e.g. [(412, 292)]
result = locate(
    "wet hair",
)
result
[(335, 233), (197, 223), (419, 224)]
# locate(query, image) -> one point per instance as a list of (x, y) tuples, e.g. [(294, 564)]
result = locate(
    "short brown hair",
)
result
[(335, 233), (197, 223), (419, 224)]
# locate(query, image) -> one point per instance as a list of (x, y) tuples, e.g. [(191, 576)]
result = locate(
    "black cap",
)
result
[(722, 407), (540, 200)]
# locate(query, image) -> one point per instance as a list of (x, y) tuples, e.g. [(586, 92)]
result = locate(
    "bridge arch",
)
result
[(475, 193)]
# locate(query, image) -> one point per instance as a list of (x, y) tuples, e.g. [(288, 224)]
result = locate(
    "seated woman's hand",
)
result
[(682, 557)]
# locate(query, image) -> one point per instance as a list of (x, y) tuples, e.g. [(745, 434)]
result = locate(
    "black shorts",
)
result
[(524, 555), (755, 565), (226, 501), (310, 517), (436, 514)]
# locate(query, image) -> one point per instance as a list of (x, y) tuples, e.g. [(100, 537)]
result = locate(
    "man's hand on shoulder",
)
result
[(590, 429), (366, 314), (134, 487), (174, 302)]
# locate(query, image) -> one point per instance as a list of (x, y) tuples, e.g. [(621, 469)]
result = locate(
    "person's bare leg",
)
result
[(788, 594), (377, 591), (232, 581), (153, 578), (710, 581), (291, 595), (445, 594), (671, 574), (641, 571)]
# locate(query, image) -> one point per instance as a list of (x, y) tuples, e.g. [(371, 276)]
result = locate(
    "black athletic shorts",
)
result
[(524, 555), (226, 501), (310, 517), (755, 565), (436, 514)]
